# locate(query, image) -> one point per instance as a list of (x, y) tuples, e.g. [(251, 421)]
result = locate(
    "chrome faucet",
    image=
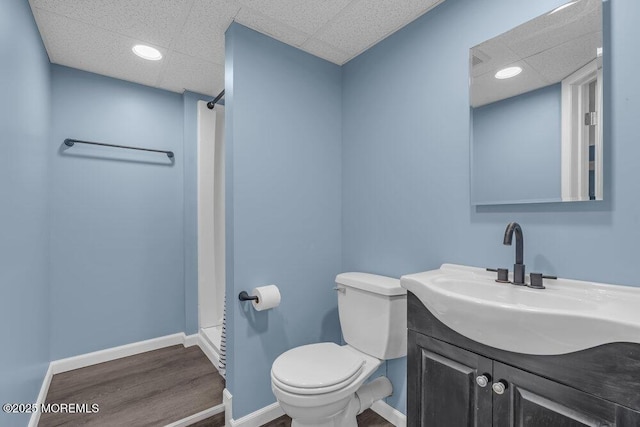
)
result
[(518, 267)]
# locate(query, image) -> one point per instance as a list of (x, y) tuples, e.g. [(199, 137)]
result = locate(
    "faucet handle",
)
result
[(536, 281), (503, 274)]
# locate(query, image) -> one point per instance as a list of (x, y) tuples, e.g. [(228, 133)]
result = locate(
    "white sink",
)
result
[(567, 316)]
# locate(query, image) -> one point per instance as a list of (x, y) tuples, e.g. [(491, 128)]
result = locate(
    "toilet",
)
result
[(323, 384)]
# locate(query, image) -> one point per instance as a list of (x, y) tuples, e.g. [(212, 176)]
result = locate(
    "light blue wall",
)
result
[(301, 207), (24, 124), (516, 148), (117, 226), (190, 162), (283, 177), (406, 198)]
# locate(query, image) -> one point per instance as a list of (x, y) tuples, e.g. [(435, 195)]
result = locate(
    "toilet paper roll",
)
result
[(268, 297)]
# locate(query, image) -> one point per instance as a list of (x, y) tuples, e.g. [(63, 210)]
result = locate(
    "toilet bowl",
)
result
[(330, 395), (323, 384)]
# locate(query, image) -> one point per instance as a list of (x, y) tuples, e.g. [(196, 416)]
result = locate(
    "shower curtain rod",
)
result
[(70, 143), (213, 103)]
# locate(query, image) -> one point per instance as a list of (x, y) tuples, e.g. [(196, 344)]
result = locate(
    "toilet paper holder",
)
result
[(244, 296)]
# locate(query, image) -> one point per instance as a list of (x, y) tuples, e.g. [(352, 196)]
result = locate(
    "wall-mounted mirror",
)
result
[(536, 110)]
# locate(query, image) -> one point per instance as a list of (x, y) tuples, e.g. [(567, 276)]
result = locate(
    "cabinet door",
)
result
[(442, 386), (533, 401)]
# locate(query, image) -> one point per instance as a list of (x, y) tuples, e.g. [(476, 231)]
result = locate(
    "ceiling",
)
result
[(97, 35), (547, 48)]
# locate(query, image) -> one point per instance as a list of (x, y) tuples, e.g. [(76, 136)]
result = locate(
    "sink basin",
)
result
[(567, 316)]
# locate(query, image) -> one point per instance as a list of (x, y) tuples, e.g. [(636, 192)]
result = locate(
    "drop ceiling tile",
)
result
[(325, 51), (366, 22), (548, 31), (97, 35), (184, 72), (306, 16), (494, 55), (271, 27), (85, 47), (487, 89), (152, 21), (203, 34), (557, 63)]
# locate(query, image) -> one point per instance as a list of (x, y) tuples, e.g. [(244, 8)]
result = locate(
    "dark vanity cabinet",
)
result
[(457, 382), (446, 392)]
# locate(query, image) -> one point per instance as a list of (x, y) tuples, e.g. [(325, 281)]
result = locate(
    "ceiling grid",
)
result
[(97, 35)]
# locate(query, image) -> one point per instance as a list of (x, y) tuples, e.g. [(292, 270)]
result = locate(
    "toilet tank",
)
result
[(373, 314)]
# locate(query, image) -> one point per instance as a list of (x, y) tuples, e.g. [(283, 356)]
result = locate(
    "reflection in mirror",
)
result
[(536, 109)]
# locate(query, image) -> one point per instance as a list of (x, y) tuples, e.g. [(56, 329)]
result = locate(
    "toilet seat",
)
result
[(316, 368)]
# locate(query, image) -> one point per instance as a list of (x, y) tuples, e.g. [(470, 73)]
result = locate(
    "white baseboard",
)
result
[(389, 413), (191, 340), (273, 411), (259, 417), (254, 419), (202, 415), (208, 350), (42, 396), (109, 354), (228, 413)]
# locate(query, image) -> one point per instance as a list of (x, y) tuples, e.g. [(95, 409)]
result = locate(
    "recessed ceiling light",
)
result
[(507, 73), (147, 52), (564, 6)]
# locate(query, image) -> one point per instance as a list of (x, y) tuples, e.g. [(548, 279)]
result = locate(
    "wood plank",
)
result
[(148, 389), (215, 421), (367, 419)]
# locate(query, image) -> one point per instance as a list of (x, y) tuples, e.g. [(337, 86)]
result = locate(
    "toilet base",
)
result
[(345, 418), (347, 409)]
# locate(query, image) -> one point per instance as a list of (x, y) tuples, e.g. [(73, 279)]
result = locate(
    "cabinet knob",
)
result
[(499, 387), (483, 380)]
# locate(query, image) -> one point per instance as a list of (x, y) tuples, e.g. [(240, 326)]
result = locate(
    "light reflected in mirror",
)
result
[(536, 110)]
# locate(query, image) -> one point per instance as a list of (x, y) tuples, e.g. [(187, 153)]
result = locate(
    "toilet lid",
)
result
[(316, 366)]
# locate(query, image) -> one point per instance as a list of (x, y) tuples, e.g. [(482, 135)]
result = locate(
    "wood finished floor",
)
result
[(149, 389), (367, 419)]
